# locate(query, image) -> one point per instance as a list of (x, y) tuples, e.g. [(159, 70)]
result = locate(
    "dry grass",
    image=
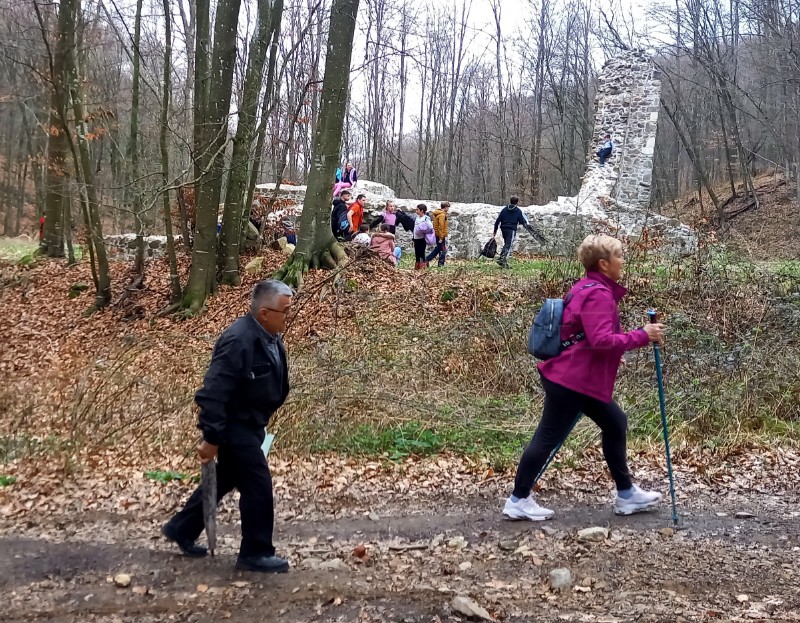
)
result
[(384, 359)]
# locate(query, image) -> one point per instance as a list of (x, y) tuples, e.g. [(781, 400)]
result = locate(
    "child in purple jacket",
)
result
[(581, 380)]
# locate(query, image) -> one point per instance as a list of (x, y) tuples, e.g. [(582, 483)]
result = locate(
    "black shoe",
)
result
[(262, 564), (188, 548)]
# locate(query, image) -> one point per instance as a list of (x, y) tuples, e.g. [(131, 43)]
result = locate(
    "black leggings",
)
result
[(419, 249), (561, 407)]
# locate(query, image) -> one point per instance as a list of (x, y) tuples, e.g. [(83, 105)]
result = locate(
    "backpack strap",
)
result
[(578, 337)]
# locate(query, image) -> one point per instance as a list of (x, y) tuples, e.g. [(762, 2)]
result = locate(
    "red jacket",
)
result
[(590, 366)]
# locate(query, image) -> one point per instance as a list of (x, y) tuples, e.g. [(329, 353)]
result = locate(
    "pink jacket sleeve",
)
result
[(598, 316)]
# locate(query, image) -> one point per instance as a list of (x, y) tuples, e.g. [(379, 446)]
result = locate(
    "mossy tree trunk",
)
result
[(316, 246)]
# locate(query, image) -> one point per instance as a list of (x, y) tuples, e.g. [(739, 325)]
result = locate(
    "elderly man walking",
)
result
[(246, 382)]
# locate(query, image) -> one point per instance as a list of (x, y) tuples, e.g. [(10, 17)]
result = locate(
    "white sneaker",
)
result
[(526, 508), (639, 502)]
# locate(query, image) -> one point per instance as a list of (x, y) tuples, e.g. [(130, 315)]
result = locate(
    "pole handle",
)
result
[(652, 315)]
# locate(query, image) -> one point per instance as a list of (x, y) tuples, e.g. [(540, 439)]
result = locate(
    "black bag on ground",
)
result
[(490, 248)]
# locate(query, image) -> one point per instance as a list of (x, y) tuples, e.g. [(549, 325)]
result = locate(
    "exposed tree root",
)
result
[(329, 258)]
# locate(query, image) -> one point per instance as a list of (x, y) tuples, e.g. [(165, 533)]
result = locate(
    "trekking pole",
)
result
[(555, 450), (651, 313)]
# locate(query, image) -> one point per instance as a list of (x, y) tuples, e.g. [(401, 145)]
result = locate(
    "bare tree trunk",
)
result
[(174, 279), (67, 212), (215, 134), (202, 77), (56, 176), (230, 235), (316, 246), (539, 70), (690, 147), (501, 104), (270, 97), (133, 149), (8, 191), (455, 80), (72, 71), (403, 81), (22, 179), (184, 216)]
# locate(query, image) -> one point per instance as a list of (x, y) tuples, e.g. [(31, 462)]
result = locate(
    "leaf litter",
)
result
[(368, 539)]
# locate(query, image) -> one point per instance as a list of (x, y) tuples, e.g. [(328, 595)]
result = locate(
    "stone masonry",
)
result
[(613, 198), (122, 247)]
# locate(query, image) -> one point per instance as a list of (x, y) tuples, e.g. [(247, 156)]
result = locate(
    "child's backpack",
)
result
[(490, 248), (544, 338)]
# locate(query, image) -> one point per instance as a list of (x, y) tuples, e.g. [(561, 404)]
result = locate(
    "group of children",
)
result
[(347, 223)]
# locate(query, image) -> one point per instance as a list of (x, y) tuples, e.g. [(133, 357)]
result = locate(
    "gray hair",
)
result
[(265, 292)]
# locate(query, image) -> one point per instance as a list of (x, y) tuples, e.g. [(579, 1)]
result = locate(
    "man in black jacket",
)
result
[(508, 220), (246, 382), (339, 215)]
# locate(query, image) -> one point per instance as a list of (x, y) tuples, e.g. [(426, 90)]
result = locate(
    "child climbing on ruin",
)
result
[(349, 178), (606, 150)]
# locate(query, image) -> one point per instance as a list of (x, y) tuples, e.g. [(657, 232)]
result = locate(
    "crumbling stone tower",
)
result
[(626, 106)]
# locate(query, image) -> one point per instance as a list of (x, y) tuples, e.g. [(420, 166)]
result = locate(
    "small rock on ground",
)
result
[(468, 607), (560, 579), (593, 535)]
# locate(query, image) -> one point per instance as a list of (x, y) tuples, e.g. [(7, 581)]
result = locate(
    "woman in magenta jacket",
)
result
[(581, 380)]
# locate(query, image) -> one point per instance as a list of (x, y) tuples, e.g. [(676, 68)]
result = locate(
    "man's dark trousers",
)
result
[(508, 241), (241, 466)]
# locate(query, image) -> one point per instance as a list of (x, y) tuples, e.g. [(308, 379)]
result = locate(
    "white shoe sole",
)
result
[(523, 517), (633, 510)]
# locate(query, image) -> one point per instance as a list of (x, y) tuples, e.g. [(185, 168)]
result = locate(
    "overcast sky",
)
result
[(515, 16)]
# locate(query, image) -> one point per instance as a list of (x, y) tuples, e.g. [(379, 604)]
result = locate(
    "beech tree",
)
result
[(316, 246), (212, 103), (240, 170)]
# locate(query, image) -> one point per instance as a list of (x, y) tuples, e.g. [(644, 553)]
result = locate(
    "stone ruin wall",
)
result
[(122, 247), (614, 198), (627, 107)]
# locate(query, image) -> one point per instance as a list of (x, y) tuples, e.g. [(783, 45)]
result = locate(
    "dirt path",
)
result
[(419, 556)]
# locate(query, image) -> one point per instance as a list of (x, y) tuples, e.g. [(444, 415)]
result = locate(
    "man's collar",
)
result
[(261, 331)]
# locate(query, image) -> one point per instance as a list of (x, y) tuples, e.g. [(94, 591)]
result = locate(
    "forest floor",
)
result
[(767, 233), (384, 541), (412, 397)]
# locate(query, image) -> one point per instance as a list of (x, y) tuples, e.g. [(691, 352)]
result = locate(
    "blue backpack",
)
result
[(544, 338)]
